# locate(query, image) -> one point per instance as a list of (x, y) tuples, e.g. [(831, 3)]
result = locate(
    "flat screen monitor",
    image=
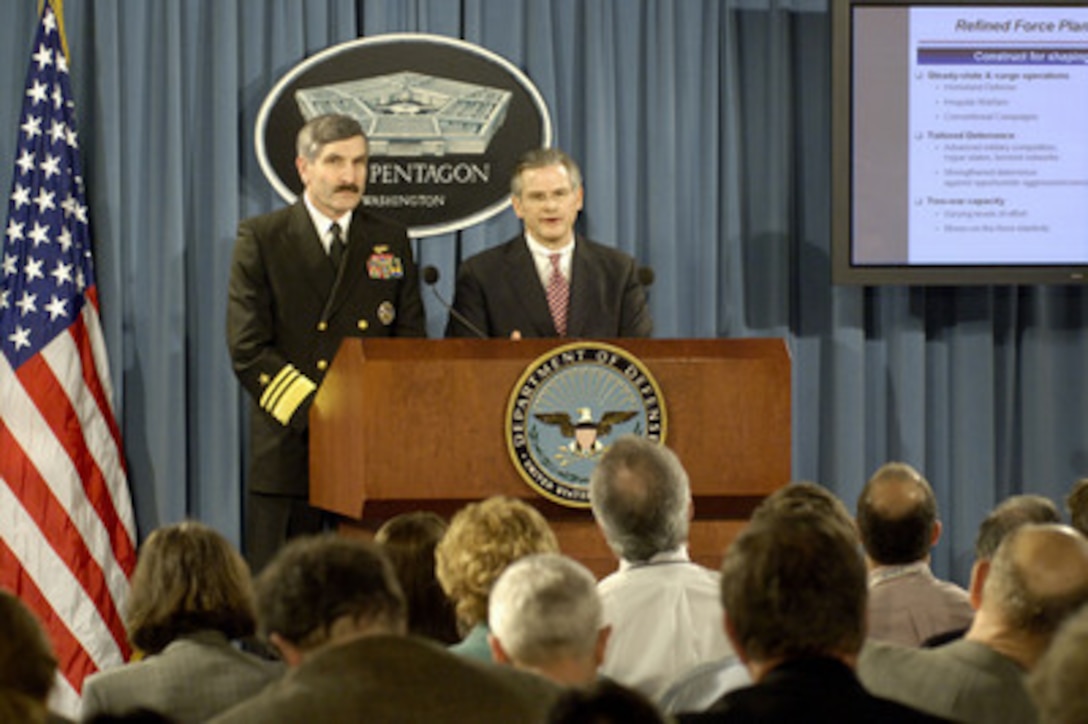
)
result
[(960, 142)]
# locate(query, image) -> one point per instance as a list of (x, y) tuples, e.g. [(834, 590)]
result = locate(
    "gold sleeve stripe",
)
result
[(275, 387), (292, 397), (286, 392)]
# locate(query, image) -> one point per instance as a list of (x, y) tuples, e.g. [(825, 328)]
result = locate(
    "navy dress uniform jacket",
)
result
[(288, 310)]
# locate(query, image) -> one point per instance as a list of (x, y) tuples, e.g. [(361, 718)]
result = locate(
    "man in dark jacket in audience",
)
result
[(794, 591)]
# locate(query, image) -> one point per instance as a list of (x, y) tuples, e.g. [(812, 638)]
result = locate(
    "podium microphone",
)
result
[(430, 278)]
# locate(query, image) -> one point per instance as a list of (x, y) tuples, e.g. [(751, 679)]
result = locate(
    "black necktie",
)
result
[(336, 246)]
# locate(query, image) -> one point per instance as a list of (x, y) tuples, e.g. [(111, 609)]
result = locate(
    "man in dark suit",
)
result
[(302, 279), (333, 608), (794, 592), (549, 281)]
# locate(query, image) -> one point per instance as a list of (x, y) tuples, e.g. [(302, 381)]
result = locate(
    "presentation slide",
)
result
[(995, 139)]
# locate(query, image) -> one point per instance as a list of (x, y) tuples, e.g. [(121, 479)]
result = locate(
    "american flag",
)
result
[(67, 531)]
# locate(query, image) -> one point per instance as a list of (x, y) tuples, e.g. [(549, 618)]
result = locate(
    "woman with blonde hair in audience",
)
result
[(191, 599), (482, 540)]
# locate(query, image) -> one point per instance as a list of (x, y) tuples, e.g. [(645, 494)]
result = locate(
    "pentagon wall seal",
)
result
[(568, 405), (446, 119)]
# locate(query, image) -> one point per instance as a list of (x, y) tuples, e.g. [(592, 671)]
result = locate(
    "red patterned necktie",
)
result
[(558, 295)]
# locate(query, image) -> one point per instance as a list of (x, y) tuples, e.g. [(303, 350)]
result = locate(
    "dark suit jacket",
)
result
[(499, 291), (813, 690), (391, 679), (288, 311)]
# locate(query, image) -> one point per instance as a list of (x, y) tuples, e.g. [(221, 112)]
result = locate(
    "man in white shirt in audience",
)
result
[(665, 611)]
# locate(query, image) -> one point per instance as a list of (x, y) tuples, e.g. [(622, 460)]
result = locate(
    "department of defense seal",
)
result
[(568, 405)]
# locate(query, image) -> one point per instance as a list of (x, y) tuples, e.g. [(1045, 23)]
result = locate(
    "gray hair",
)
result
[(542, 158), (544, 607), (640, 496), (323, 130)]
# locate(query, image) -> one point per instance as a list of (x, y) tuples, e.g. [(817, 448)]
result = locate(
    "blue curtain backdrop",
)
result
[(703, 130)]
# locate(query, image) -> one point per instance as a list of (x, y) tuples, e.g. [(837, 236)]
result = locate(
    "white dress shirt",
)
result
[(323, 224), (666, 618), (542, 259)]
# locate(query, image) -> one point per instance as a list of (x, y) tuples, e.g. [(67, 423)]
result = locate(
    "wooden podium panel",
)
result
[(407, 424)]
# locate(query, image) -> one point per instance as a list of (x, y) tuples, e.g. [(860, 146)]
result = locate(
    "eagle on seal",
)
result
[(585, 433)]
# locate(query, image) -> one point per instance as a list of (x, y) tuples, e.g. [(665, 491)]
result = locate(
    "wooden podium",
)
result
[(408, 424)]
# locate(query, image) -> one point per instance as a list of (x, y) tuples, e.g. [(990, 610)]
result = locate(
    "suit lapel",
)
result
[(524, 284), (582, 272)]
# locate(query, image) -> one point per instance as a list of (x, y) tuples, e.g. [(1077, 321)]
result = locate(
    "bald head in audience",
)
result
[(898, 525), (897, 516), (1037, 578)]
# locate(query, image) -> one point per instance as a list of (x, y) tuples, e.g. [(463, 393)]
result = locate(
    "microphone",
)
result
[(430, 278), (645, 276)]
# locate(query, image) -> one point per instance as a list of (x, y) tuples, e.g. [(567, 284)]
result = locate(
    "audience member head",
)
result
[(1009, 515), (793, 586), (188, 578), (805, 497), (409, 541), (605, 702), (323, 590), (897, 516), (482, 540), (27, 665), (545, 615), (641, 498), (1077, 504), (1057, 681), (1038, 576)]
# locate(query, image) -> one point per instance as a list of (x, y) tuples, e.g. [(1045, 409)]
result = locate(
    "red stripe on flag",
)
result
[(72, 660), (96, 485), (56, 527), (78, 330)]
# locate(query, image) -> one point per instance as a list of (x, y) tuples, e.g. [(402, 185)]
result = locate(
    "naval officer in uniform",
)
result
[(303, 278)]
